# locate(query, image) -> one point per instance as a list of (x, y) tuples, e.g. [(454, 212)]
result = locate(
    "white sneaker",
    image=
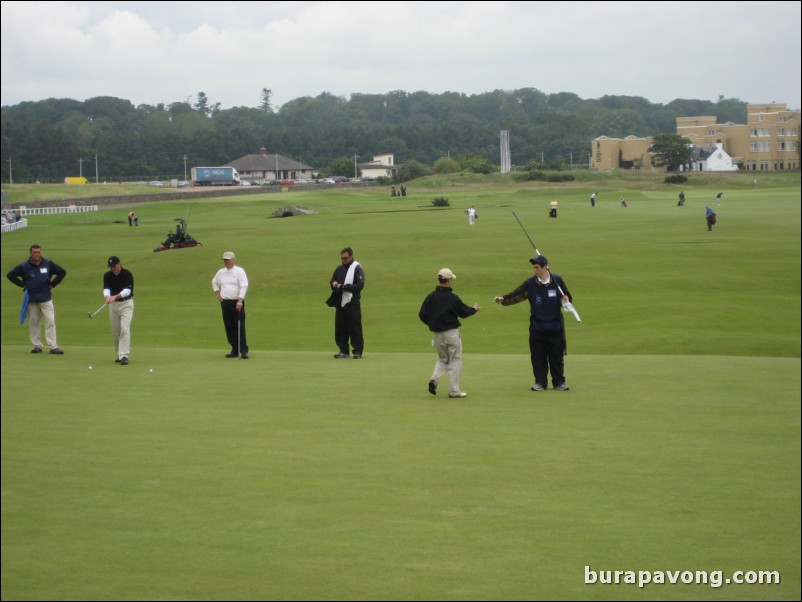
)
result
[(460, 394), (537, 387)]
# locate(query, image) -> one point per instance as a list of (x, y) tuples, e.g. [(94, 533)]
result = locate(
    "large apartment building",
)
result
[(769, 141)]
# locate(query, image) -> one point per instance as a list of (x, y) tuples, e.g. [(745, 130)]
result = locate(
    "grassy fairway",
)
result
[(297, 476)]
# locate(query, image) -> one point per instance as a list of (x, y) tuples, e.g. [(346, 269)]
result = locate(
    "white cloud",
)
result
[(152, 52)]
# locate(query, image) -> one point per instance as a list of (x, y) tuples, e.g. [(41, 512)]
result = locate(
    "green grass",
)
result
[(296, 476)]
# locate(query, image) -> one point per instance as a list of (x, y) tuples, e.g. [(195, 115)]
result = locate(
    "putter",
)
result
[(567, 305), (239, 335), (97, 311)]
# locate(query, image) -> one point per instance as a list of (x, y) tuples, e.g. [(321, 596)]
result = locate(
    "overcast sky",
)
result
[(165, 52)]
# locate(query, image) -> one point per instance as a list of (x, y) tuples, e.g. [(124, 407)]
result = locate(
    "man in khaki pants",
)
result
[(439, 312), (38, 276)]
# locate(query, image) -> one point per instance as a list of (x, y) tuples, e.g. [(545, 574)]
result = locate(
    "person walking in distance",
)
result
[(547, 346), (39, 276), (710, 217), (230, 285), (471, 215), (118, 291), (553, 208), (440, 312), (593, 200), (681, 202), (347, 283)]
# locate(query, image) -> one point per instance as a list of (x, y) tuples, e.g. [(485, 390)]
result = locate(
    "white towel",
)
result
[(349, 279)]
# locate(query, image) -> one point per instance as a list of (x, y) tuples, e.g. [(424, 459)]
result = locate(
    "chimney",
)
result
[(263, 151)]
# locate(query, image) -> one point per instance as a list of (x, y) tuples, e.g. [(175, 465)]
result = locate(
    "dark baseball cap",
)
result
[(113, 260), (540, 260)]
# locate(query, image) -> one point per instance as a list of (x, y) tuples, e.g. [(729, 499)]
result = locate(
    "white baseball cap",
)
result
[(229, 255), (446, 274)]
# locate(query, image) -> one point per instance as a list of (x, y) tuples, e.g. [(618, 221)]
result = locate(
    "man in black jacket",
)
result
[(439, 312), (348, 281)]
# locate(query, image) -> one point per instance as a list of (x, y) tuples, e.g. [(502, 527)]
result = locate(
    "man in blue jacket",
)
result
[(39, 276), (547, 346)]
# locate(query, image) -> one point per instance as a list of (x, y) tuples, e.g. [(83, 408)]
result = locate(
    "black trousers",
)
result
[(348, 326), (234, 320), (548, 352)]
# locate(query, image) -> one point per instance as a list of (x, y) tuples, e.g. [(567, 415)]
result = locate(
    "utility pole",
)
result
[(96, 169), (10, 177), (80, 167), (185, 168), (355, 173)]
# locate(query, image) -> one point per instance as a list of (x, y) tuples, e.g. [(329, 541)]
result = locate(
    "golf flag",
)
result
[(23, 310)]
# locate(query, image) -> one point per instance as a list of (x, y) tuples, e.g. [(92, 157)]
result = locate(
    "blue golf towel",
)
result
[(23, 310)]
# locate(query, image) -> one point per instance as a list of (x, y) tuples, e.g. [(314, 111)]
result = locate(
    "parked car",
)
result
[(155, 183), (183, 184), (286, 182)]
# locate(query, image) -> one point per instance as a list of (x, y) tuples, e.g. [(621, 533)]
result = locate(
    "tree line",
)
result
[(51, 139)]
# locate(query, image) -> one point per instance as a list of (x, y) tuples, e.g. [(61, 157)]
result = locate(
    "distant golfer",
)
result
[(230, 285), (471, 212), (710, 217), (439, 312), (118, 291), (547, 345)]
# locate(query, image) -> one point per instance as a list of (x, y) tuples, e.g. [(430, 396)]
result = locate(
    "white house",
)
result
[(381, 166), (716, 159)]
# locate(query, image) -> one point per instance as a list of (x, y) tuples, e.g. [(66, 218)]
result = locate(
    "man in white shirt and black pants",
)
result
[(230, 285)]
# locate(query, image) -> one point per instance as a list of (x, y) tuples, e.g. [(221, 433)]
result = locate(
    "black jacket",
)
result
[(441, 308)]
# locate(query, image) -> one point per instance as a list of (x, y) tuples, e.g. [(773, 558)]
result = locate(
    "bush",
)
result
[(440, 201), (675, 179)]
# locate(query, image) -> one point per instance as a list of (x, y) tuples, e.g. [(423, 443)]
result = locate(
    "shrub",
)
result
[(440, 201), (676, 179)]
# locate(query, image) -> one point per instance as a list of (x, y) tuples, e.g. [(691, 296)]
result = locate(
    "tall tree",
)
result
[(671, 151), (202, 104), (266, 105)]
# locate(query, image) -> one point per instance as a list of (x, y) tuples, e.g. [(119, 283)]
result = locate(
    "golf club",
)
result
[(239, 335), (567, 305), (97, 311)]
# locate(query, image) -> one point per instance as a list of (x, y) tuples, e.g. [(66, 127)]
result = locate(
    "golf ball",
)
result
[(151, 369), (90, 367)]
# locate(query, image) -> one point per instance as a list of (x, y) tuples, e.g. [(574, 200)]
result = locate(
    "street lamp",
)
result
[(355, 173), (185, 168)]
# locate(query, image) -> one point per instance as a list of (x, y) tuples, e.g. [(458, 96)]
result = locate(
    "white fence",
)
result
[(23, 211), (51, 210), (23, 223)]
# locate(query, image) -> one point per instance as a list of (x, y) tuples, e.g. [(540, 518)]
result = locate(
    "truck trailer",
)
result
[(215, 176)]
